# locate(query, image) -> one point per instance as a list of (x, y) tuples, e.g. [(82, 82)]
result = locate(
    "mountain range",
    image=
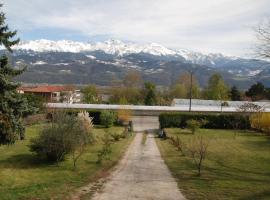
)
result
[(70, 62)]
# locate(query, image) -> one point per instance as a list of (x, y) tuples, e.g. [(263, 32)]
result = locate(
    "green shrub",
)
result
[(193, 125), (106, 150), (65, 134), (213, 120), (107, 118)]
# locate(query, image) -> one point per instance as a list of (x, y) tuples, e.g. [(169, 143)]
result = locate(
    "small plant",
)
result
[(178, 143), (193, 125), (198, 150), (107, 118), (106, 150), (116, 137)]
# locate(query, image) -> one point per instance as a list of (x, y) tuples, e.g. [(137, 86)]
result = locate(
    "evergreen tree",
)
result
[(150, 94), (13, 106), (256, 91), (235, 94)]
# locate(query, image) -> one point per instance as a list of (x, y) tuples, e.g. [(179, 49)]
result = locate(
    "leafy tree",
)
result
[(235, 94), (182, 87), (150, 94), (217, 89), (90, 94), (256, 91), (13, 106), (179, 91)]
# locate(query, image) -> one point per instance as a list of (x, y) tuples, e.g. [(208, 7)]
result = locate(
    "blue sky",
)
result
[(224, 26)]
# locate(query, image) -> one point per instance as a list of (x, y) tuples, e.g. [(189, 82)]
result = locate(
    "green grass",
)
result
[(24, 175), (235, 167)]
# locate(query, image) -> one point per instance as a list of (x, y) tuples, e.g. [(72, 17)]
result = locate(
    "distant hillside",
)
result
[(68, 62)]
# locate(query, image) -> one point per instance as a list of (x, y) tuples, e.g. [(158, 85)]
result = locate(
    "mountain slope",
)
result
[(83, 63)]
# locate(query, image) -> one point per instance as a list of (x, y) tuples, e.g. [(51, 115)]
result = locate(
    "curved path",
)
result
[(142, 173)]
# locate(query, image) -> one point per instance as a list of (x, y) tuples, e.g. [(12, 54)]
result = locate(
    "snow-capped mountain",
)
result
[(77, 62), (115, 47)]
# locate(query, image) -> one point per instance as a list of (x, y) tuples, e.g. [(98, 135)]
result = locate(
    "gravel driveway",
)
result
[(142, 173)]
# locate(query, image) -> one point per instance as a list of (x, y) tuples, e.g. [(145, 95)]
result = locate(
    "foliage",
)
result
[(13, 106), (107, 118), (150, 94), (124, 115), (235, 94), (217, 89), (261, 122), (125, 95), (256, 91), (36, 103), (115, 136), (193, 125), (82, 136), (106, 150), (214, 121), (66, 134), (90, 94)]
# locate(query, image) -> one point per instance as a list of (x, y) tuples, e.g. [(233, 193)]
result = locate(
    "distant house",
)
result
[(53, 93)]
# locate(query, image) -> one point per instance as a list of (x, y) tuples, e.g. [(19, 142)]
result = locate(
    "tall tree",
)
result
[(235, 94), (217, 89), (256, 91), (90, 94), (263, 35), (13, 106), (150, 94), (182, 87)]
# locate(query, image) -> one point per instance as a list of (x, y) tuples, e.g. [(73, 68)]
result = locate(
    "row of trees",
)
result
[(133, 91)]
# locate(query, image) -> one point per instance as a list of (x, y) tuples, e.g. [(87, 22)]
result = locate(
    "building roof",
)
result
[(202, 102), (43, 89)]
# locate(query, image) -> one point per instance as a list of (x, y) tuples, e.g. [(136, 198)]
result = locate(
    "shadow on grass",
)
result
[(24, 161)]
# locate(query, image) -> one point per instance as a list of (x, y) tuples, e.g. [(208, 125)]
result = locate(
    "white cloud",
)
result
[(208, 25)]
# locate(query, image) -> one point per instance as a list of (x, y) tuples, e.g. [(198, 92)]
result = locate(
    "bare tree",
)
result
[(263, 35), (198, 150)]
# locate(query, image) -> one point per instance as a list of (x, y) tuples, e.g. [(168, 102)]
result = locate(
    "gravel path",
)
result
[(142, 173)]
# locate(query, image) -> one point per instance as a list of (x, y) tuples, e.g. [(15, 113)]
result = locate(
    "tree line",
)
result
[(132, 90)]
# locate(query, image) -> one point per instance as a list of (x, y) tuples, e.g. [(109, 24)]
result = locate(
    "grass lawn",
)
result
[(235, 167), (25, 176)]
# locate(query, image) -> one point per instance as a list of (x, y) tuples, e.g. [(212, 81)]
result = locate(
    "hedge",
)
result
[(214, 121)]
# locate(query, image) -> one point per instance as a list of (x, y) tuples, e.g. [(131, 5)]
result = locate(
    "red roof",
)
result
[(43, 89)]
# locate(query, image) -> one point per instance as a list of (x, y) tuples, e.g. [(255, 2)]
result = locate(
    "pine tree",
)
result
[(13, 106), (235, 94)]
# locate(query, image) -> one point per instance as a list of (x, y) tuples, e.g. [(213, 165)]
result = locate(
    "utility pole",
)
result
[(190, 90)]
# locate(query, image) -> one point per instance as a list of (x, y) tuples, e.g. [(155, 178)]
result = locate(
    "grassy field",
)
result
[(25, 176), (235, 167)]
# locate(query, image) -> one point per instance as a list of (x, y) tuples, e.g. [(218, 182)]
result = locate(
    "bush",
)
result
[(106, 150), (107, 118), (261, 122), (65, 134), (193, 125), (213, 121)]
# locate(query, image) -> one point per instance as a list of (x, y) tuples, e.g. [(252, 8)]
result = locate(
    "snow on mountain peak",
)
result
[(117, 47)]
